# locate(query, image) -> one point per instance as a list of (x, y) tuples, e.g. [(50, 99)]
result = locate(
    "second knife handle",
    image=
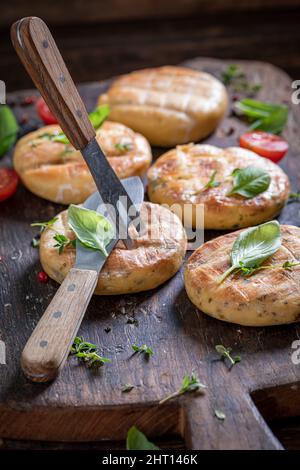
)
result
[(40, 56)]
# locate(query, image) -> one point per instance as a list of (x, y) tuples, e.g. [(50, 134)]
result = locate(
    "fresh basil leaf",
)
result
[(253, 246), (273, 123), (136, 440), (8, 129), (93, 230), (250, 181), (99, 115), (264, 116)]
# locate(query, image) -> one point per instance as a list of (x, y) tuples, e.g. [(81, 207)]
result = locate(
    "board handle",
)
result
[(49, 345), (40, 56), (243, 427)]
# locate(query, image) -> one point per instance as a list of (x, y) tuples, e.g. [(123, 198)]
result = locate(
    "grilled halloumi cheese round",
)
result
[(180, 177), (156, 255), (57, 172), (267, 297), (168, 105)]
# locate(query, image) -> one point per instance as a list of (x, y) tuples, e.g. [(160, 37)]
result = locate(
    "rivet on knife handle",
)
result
[(41, 58), (49, 345)]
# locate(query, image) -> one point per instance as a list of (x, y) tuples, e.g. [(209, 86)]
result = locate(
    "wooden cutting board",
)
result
[(86, 405)]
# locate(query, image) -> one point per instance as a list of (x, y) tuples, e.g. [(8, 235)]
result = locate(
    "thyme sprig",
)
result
[(87, 352), (142, 349), (225, 353), (189, 384)]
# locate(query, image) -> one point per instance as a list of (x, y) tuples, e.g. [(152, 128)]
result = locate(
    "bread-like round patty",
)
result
[(156, 255), (179, 176), (168, 105), (57, 172), (267, 297)]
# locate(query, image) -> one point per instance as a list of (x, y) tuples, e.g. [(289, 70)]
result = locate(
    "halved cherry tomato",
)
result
[(265, 144), (8, 183), (44, 112)]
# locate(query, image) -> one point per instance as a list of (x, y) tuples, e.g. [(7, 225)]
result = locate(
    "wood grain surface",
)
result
[(86, 405)]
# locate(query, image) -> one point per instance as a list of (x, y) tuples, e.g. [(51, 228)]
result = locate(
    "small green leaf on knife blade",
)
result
[(92, 229), (136, 440)]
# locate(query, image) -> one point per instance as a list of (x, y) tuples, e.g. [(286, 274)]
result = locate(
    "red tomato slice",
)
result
[(265, 144), (44, 112), (8, 183)]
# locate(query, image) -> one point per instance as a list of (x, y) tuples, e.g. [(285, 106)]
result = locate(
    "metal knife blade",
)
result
[(113, 193), (94, 260)]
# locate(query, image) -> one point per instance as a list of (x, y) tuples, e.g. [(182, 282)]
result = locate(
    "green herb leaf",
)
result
[(142, 349), (87, 352), (220, 415), (189, 384), (123, 147), (127, 388), (235, 77), (8, 129), (62, 242), (44, 225), (35, 242), (249, 182), (265, 116), (225, 354), (253, 246), (99, 115), (97, 118), (93, 230), (136, 440)]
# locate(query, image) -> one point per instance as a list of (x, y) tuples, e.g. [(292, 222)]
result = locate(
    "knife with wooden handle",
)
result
[(49, 345), (40, 56)]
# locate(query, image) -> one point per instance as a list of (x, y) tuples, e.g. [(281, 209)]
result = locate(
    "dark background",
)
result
[(102, 38)]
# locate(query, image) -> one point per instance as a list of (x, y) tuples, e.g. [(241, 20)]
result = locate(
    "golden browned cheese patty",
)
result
[(156, 255), (57, 172), (268, 297), (168, 105), (180, 175)]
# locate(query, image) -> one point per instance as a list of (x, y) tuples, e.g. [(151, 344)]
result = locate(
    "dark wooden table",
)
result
[(97, 50), (265, 385)]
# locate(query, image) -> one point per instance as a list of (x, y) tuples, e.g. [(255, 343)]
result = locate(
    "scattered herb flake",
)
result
[(142, 349), (123, 147), (236, 78), (127, 388), (189, 384), (220, 415), (87, 352), (225, 354)]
